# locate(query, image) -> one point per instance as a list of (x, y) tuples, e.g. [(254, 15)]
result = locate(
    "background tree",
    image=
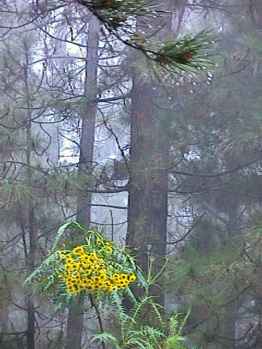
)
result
[(194, 159)]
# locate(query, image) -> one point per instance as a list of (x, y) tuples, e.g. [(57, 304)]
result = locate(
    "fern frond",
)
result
[(106, 338)]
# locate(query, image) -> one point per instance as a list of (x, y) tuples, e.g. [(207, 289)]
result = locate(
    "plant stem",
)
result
[(99, 319)]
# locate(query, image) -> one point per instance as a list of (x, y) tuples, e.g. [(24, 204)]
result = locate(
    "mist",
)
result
[(130, 174)]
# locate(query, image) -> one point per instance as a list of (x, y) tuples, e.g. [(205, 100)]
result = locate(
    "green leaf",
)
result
[(106, 338), (62, 230)]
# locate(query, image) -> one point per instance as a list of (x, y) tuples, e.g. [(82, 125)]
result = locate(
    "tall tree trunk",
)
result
[(148, 184), (147, 214), (30, 254), (88, 117)]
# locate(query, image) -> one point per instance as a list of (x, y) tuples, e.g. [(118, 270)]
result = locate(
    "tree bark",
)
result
[(148, 182), (147, 213), (32, 237), (88, 118)]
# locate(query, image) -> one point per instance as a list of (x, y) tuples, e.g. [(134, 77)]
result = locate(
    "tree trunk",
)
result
[(147, 214), (30, 254), (88, 117), (148, 182)]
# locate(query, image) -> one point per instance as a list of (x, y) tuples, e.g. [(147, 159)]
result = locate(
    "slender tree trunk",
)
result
[(88, 118), (30, 256)]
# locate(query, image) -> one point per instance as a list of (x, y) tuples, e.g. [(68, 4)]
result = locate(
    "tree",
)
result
[(150, 146), (87, 138), (63, 95), (219, 171)]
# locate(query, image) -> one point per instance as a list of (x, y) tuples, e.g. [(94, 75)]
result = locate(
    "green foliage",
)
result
[(204, 278), (172, 60), (211, 282), (175, 340), (136, 333), (114, 13), (134, 328), (188, 53), (52, 276), (69, 183)]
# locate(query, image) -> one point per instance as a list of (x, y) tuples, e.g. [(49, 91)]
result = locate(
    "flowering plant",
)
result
[(93, 265)]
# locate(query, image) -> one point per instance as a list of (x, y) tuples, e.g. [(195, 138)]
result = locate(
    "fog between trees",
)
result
[(104, 121)]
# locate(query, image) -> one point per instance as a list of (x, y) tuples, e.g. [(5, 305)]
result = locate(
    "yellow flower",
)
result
[(115, 277), (98, 266), (96, 279), (102, 275), (85, 258), (75, 266), (84, 283), (73, 288), (112, 289), (132, 277), (69, 266), (122, 283), (75, 274), (79, 251), (91, 286), (69, 279), (123, 277), (93, 257), (69, 259), (93, 271)]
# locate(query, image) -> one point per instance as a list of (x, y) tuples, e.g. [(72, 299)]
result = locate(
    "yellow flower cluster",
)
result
[(87, 271)]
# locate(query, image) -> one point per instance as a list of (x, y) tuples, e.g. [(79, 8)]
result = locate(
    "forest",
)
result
[(130, 174)]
